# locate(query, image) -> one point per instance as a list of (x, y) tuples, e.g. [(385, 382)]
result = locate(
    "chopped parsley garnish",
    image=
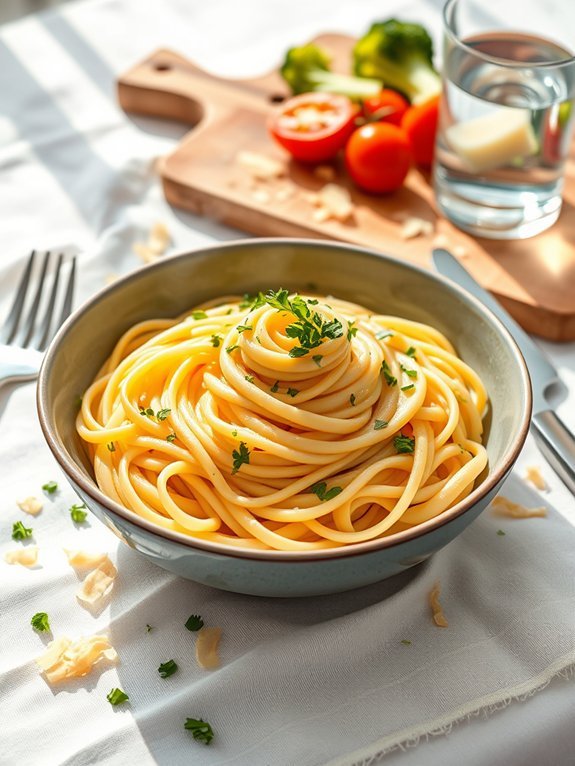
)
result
[(249, 378), (389, 378), (404, 443), (240, 457), (171, 438), (243, 328), (405, 642), (234, 433), (317, 359), (201, 730), (408, 388), (111, 446), (149, 412), (351, 330), (216, 340), (500, 532), (292, 392), (252, 302), (275, 388), (149, 628), (383, 334), (50, 487), (352, 400), (411, 352), (78, 513), (199, 315), (167, 668), (310, 329), (163, 414), (320, 489), (116, 697), (379, 424), (229, 349), (40, 622), (313, 301), (20, 532), (194, 622), (409, 373)]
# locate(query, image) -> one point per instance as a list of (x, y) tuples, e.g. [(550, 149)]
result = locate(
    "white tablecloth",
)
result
[(58, 115)]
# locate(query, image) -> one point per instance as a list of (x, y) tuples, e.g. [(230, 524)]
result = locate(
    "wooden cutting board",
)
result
[(533, 278)]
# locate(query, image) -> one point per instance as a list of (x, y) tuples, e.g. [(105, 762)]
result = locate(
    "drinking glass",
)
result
[(506, 118)]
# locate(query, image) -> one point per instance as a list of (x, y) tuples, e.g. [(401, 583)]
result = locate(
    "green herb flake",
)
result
[(20, 532), (409, 373), (201, 730), (234, 433), (149, 628), (275, 388), (116, 697), (111, 446), (40, 622), (379, 424), (199, 315), (383, 334), (50, 487), (351, 330), (317, 359), (310, 327), (324, 494), (78, 513), (405, 642), (229, 349), (404, 443), (411, 352), (312, 301), (352, 400), (240, 457), (216, 340), (194, 622), (501, 533), (167, 669), (389, 378), (298, 351), (243, 328), (252, 302), (408, 388), (163, 414), (249, 378), (292, 392), (171, 438)]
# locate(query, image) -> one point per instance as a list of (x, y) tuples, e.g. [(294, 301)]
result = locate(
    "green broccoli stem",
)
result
[(417, 81), (427, 84), (355, 88)]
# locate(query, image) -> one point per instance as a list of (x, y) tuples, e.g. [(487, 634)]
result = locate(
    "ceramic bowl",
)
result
[(170, 286)]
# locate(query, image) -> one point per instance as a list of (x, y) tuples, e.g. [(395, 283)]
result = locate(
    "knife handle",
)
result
[(557, 444)]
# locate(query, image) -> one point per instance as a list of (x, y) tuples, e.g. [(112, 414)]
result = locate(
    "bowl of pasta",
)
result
[(284, 417)]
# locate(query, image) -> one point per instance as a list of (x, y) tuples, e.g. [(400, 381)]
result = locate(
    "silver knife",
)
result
[(555, 440)]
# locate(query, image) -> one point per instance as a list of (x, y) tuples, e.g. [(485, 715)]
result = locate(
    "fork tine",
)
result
[(29, 326), (11, 324), (69, 296), (46, 320)]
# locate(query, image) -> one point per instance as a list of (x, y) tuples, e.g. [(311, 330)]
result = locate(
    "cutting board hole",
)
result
[(159, 67)]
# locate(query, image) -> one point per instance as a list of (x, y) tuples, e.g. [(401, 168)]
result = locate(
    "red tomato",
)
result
[(389, 106), (313, 127), (378, 156), (420, 124)]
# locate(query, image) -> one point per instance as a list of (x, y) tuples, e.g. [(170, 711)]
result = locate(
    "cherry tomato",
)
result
[(420, 124), (313, 127), (378, 156), (389, 106)]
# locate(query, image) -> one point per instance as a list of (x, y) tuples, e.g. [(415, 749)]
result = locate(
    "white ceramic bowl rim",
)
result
[(90, 489)]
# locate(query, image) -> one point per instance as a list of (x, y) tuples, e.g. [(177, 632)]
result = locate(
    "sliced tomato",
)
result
[(388, 106), (313, 127), (378, 157)]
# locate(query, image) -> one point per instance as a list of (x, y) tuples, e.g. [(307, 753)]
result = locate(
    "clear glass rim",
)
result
[(449, 28)]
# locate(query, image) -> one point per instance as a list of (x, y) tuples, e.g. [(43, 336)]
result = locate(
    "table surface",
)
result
[(74, 54)]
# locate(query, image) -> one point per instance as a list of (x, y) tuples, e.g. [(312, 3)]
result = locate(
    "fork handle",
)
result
[(18, 364), (557, 444)]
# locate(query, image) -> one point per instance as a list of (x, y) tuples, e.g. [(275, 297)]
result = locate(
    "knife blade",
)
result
[(555, 440)]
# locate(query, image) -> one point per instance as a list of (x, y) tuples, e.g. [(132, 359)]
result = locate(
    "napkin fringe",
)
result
[(564, 668)]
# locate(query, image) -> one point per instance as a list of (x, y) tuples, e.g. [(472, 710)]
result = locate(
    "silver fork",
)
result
[(24, 337)]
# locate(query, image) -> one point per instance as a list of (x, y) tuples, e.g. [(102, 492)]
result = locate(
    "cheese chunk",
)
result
[(505, 507), (30, 505), (534, 475), (438, 617), (98, 584), (27, 556), (207, 644), (65, 658), (84, 559), (493, 140)]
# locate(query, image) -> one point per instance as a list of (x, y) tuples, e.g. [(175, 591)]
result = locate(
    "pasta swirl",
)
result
[(286, 423)]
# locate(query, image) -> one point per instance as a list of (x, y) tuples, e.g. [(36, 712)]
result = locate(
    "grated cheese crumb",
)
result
[(438, 616), (98, 584), (84, 559), (414, 227), (460, 252), (260, 166), (440, 240), (159, 238), (262, 196), (65, 658), (30, 505), (144, 252), (27, 556), (505, 507), (207, 644), (534, 475), (333, 201)]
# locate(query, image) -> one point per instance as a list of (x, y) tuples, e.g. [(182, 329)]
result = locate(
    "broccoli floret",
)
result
[(399, 53), (306, 69)]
